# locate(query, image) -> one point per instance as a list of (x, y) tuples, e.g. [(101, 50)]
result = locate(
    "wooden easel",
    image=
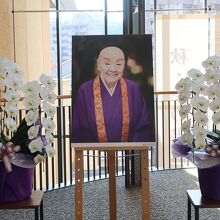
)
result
[(143, 147)]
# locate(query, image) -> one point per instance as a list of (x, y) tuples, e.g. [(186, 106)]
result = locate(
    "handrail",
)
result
[(64, 96), (69, 96), (155, 93), (165, 93)]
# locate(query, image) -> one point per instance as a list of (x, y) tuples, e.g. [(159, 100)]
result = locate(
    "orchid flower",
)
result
[(205, 91)]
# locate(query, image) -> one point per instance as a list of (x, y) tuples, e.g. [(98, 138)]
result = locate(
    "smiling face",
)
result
[(111, 63)]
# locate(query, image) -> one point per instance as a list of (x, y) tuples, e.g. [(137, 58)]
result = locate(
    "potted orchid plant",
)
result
[(33, 136), (199, 97)]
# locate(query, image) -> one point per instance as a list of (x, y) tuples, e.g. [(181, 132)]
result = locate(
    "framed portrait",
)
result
[(112, 89)]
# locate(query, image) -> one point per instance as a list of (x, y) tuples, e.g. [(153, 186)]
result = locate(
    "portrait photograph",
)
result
[(112, 89)]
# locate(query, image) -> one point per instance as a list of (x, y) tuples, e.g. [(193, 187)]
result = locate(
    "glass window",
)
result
[(215, 34), (115, 22), (36, 32), (113, 6), (82, 4), (149, 22), (181, 44), (149, 4), (53, 44), (178, 6), (214, 5), (75, 23), (87, 18)]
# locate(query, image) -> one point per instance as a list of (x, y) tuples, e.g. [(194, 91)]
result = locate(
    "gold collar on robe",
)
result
[(99, 113)]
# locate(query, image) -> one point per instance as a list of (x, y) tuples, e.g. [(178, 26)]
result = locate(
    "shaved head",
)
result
[(112, 51), (111, 63)]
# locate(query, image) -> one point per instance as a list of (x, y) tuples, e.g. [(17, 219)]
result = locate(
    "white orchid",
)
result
[(49, 109), (212, 76), (3, 72), (47, 81), (52, 97), (199, 132), (11, 124), (49, 137), (33, 132), (31, 117), (195, 74), (199, 88), (211, 62), (184, 111), (213, 91), (48, 95), (15, 70), (200, 102), (184, 97), (39, 158), (205, 89), (11, 109), (36, 145), (31, 102), (187, 138), (215, 105), (11, 95), (183, 85), (13, 82), (50, 150), (35, 93), (48, 124), (201, 118), (200, 143), (216, 118), (32, 88), (186, 126)]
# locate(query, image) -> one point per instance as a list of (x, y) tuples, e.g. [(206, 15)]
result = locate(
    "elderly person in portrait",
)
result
[(110, 108)]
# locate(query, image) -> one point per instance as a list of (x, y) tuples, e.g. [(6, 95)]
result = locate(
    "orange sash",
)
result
[(99, 113)]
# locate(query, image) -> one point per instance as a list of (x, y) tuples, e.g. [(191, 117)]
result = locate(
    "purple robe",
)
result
[(84, 122)]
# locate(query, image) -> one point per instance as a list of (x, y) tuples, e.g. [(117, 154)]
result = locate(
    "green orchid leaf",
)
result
[(213, 135), (3, 139), (21, 135), (217, 132), (217, 143)]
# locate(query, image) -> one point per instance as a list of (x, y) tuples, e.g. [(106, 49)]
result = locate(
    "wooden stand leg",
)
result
[(145, 185), (112, 184), (79, 185)]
